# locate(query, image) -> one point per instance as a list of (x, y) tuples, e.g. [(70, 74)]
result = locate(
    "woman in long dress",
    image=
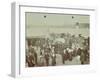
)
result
[(30, 60), (41, 61)]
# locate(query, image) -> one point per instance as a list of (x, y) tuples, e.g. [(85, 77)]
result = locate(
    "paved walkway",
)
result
[(75, 61)]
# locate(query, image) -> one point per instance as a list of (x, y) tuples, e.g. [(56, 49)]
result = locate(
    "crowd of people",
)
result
[(45, 51)]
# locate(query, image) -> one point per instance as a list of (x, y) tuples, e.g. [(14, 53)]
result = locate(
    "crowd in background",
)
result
[(57, 49)]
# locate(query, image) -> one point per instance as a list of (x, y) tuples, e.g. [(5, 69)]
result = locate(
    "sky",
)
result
[(40, 24), (48, 19)]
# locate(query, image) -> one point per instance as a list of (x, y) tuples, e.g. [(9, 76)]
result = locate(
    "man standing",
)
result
[(53, 56), (47, 58)]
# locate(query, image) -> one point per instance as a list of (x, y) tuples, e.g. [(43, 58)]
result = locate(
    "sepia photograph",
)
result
[(54, 39)]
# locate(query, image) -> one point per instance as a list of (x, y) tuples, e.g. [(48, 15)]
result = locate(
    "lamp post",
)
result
[(77, 25), (47, 35)]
